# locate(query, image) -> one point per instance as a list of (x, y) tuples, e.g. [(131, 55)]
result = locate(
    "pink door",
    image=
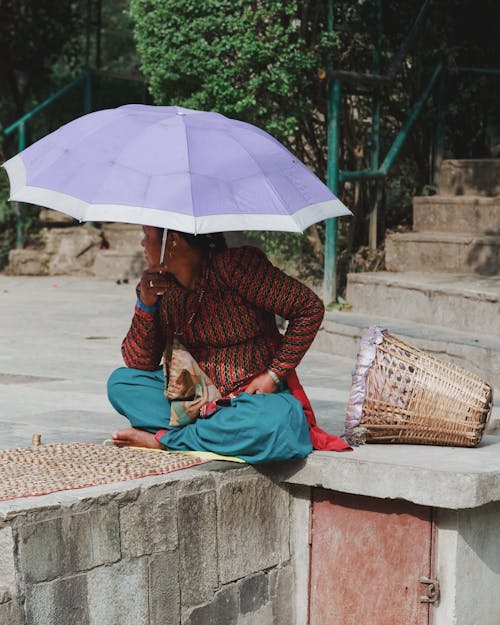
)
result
[(367, 558)]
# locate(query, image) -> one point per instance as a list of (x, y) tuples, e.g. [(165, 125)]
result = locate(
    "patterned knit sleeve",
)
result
[(247, 271), (144, 344)]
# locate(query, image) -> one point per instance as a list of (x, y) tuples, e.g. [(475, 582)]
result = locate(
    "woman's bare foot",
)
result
[(131, 437)]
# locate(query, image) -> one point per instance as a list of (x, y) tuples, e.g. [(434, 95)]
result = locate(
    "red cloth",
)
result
[(160, 434), (320, 439)]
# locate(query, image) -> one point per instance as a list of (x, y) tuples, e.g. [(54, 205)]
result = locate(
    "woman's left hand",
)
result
[(262, 383)]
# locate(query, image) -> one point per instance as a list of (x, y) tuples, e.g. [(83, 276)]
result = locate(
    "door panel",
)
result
[(367, 556)]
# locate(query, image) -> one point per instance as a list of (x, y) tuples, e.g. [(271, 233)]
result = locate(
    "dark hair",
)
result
[(206, 243)]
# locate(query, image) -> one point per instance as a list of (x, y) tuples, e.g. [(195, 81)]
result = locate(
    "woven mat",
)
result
[(50, 468)]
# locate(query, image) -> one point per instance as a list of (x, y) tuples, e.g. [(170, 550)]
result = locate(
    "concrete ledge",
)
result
[(440, 477), (465, 302), (226, 544)]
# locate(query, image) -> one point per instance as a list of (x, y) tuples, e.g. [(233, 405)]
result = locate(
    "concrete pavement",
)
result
[(59, 341)]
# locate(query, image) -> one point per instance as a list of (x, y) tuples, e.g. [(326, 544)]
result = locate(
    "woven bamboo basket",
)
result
[(401, 394)]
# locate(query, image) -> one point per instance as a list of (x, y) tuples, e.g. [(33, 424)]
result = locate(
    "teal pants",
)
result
[(256, 428)]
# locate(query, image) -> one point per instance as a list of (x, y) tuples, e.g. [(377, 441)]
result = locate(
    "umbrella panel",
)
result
[(166, 166)]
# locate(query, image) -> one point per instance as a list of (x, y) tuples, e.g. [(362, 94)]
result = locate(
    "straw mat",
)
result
[(49, 468)]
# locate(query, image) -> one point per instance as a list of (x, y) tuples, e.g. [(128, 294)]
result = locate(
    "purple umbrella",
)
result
[(173, 167)]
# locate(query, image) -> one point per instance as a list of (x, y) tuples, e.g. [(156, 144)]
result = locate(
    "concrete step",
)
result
[(341, 332), (463, 302), (470, 177), (441, 251), (458, 214)]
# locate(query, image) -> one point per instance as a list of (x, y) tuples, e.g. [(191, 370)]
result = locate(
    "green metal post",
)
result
[(21, 144), (333, 112), (330, 267), (21, 138)]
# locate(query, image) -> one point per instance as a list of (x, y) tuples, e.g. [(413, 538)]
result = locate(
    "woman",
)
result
[(220, 304)]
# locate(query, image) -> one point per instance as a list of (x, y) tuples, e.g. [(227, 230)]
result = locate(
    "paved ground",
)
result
[(60, 339)]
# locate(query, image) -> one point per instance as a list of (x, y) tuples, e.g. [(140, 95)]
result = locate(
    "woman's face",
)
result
[(151, 242)]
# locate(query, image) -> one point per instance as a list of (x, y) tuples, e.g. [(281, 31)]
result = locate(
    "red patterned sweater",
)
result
[(233, 335)]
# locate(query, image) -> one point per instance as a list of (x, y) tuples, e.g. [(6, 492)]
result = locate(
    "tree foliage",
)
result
[(255, 60)]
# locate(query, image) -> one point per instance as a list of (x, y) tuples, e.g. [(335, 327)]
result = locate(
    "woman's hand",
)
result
[(262, 383), (153, 283)]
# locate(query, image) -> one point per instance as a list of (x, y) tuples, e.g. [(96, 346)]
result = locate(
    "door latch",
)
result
[(432, 591)]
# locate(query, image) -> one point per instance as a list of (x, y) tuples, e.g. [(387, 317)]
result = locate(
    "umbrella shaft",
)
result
[(163, 245)]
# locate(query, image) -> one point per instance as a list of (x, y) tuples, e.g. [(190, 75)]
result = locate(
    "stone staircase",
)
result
[(457, 230), (441, 290)]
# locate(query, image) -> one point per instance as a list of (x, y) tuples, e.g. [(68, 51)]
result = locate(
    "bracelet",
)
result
[(146, 308), (275, 378)]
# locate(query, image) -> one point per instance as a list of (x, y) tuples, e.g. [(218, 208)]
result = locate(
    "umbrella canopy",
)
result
[(168, 166)]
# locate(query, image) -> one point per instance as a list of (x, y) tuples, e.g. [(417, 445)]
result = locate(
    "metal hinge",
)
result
[(432, 594)]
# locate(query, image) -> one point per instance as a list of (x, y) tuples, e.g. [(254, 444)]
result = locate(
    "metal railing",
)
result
[(20, 125), (375, 82)]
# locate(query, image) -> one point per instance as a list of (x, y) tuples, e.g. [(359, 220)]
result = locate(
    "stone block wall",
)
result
[(112, 251), (198, 547), (64, 251)]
